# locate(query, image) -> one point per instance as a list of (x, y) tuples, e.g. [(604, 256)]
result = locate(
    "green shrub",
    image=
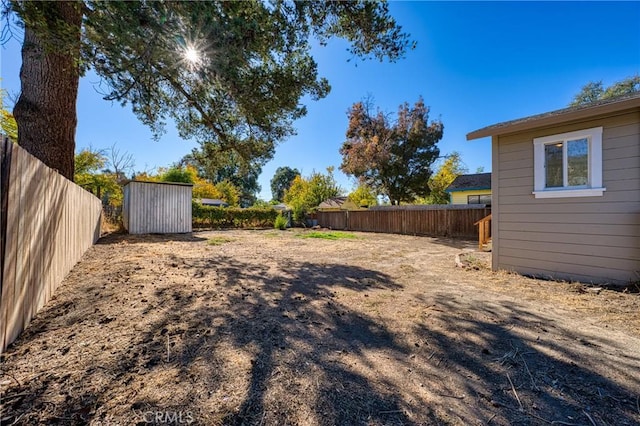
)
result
[(281, 222), (232, 217)]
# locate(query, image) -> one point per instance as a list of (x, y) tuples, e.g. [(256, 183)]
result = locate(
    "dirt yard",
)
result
[(268, 328)]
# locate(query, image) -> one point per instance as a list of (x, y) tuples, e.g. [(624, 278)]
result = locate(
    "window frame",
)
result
[(593, 188), (479, 197)]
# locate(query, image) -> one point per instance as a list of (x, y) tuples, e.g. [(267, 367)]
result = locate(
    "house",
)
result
[(337, 204), (470, 189), (213, 202), (566, 192), (282, 207)]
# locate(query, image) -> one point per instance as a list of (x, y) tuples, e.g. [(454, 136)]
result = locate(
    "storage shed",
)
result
[(566, 192), (157, 207)]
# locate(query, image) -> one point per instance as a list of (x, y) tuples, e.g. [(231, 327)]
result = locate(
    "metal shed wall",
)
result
[(157, 208)]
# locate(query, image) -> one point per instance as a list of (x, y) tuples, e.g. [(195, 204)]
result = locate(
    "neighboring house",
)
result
[(213, 202), (282, 207), (470, 189), (337, 204), (566, 192)]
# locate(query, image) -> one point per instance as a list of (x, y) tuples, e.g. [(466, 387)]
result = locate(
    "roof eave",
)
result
[(468, 189), (557, 117)]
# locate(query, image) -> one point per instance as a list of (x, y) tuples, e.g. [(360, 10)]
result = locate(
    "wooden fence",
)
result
[(47, 223), (434, 221)]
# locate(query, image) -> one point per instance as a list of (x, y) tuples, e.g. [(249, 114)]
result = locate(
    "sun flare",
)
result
[(192, 55)]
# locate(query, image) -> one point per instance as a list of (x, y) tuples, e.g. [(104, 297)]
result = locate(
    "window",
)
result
[(479, 199), (569, 164)]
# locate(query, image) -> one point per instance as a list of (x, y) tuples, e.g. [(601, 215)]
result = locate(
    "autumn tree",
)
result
[(7, 121), (595, 91), (282, 180), (229, 73), (305, 194), (177, 174), (394, 157), (363, 196), (451, 168), (217, 165), (202, 188), (92, 174)]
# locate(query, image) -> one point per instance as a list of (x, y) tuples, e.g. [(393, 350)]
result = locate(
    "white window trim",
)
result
[(593, 188)]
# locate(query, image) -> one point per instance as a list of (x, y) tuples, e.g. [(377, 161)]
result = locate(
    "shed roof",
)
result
[(159, 183), (606, 106), (467, 182)]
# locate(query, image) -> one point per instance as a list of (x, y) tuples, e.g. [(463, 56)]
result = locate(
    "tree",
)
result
[(202, 188), (89, 173), (217, 165), (363, 196), (393, 158), (179, 174), (46, 109), (306, 194), (120, 163), (322, 187), (228, 73), (229, 192), (7, 120), (451, 168), (8, 124), (282, 180), (595, 91)]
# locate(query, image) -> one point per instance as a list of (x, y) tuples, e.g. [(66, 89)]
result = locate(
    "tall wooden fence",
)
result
[(435, 221), (46, 225)]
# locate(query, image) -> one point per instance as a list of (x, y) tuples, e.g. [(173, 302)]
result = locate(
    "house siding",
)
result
[(460, 197), (593, 239)]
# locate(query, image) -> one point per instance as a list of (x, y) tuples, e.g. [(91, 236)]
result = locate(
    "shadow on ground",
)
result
[(241, 343)]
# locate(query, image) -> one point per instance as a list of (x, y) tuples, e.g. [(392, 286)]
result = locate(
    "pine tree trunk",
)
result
[(49, 76)]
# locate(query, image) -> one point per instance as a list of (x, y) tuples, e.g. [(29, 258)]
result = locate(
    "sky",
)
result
[(475, 64)]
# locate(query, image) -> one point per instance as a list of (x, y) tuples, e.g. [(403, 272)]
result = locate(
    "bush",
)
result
[(232, 217), (281, 222)]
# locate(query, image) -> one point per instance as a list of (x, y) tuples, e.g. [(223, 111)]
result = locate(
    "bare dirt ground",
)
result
[(267, 328)]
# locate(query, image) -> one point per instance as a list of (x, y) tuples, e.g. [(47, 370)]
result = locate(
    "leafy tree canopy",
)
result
[(202, 188), (451, 168), (282, 180), (230, 73), (363, 196), (217, 165), (595, 91), (178, 174), (305, 194), (394, 158), (7, 121), (90, 173)]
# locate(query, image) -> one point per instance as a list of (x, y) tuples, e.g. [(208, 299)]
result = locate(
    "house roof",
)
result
[(606, 106), (468, 182), (281, 206), (213, 201), (332, 203)]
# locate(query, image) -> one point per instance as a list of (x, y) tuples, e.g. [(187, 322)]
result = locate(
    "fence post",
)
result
[(5, 171)]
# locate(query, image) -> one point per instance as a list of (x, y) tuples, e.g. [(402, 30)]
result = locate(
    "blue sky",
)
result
[(475, 64)]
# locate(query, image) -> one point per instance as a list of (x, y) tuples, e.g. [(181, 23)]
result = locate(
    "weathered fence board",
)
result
[(437, 221), (48, 224)]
